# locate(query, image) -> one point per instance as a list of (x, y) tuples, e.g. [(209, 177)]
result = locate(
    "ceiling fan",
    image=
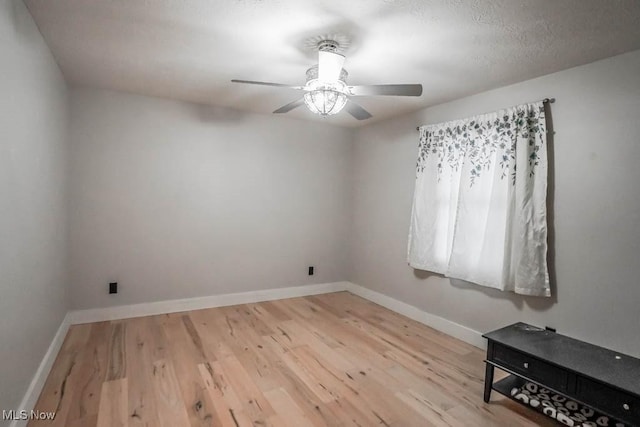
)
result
[(326, 90)]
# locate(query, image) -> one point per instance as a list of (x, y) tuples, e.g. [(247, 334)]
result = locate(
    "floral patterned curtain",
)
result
[(479, 208)]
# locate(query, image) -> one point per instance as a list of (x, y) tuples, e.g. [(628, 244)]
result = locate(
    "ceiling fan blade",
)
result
[(357, 111), (252, 82), (329, 66), (290, 106), (389, 90)]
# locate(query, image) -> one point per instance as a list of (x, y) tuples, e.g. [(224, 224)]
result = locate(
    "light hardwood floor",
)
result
[(328, 360)]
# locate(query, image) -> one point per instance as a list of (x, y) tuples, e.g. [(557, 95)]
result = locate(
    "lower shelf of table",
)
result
[(561, 408), (505, 385)]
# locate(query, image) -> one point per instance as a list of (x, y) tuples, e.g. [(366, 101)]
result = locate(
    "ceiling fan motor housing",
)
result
[(328, 46), (312, 74)]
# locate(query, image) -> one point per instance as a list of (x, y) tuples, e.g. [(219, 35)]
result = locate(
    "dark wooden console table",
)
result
[(594, 376)]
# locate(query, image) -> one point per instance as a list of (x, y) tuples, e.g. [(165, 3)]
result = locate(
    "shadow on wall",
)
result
[(214, 114), (551, 197), (535, 303), (22, 23)]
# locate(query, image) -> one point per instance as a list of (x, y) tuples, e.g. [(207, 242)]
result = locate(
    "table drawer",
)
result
[(621, 405), (531, 367)]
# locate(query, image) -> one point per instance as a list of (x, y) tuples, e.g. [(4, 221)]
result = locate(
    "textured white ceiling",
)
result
[(191, 49)]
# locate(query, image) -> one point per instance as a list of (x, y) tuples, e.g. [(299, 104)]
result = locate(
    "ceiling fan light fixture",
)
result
[(325, 102), (325, 99)]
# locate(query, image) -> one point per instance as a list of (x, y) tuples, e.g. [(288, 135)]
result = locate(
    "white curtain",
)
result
[(479, 208)]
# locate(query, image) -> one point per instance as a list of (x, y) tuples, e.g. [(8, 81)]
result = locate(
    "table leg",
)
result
[(488, 382)]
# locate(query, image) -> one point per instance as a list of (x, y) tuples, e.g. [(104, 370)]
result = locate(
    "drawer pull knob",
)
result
[(626, 406), (526, 365)]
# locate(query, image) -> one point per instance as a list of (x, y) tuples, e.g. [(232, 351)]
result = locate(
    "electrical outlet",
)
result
[(113, 287), (310, 270)]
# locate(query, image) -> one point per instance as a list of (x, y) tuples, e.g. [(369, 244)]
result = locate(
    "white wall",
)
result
[(33, 232), (176, 200), (595, 209)]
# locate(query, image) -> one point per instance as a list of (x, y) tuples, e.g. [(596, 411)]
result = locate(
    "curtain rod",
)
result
[(544, 101)]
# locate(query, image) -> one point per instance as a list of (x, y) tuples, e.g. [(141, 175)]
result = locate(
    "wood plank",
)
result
[(254, 404), (92, 372), (187, 352), (291, 414), (142, 400), (117, 367), (226, 404), (114, 404), (170, 406)]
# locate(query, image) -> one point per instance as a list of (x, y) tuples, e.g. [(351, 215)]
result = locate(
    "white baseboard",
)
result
[(37, 382), (198, 303), (463, 333), (441, 324)]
